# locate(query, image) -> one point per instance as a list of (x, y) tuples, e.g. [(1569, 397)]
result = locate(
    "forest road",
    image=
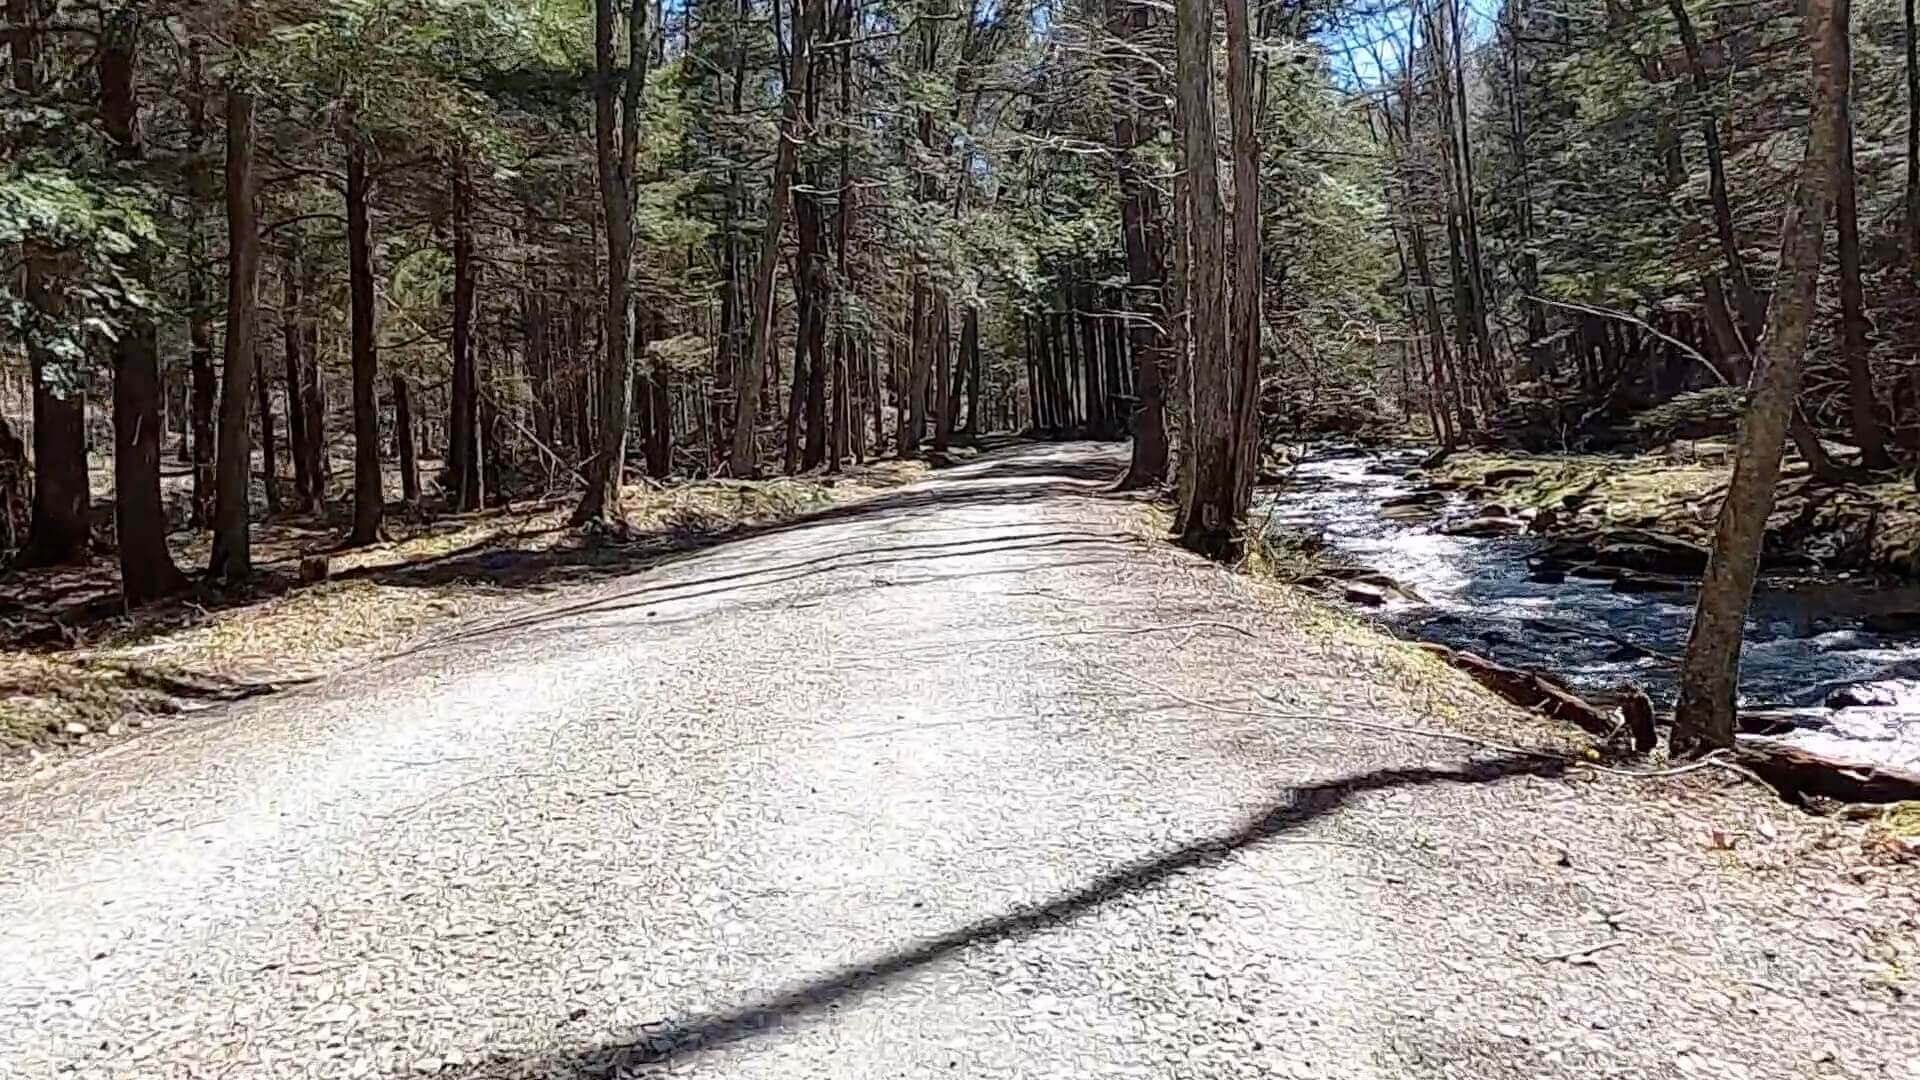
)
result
[(924, 786)]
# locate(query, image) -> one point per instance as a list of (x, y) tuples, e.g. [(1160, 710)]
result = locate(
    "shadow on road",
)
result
[(678, 1039)]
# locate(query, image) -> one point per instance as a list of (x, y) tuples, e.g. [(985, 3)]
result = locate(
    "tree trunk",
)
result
[(147, 570), (660, 444), (809, 221), (1143, 238), (970, 357), (60, 531), (943, 378), (743, 460), (232, 558), (369, 496), (1747, 302), (463, 442), (1911, 203), (304, 488), (199, 302), (1244, 316), (269, 459), (1863, 410), (615, 151), (1709, 673), (409, 457), (1207, 514), (313, 399)]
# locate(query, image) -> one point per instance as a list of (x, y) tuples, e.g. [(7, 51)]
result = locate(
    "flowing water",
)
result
[(1803, 641)]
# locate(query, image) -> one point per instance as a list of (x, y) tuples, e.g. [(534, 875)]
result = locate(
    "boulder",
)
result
[(1866, 695), (1593, 572), (1409, 513), (1651, 553), (1387, 585), (315, 569), (1893, 622), (1414, 498), (1547, 573), (1365, 595), (1488, 526), (1508, 474), (1629, 582)]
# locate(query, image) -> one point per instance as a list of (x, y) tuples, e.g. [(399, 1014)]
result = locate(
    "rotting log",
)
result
[(1547, 696), (1797, 773)]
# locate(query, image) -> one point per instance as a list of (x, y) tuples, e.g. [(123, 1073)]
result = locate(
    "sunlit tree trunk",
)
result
[(1710, 670), (1244, 313), (1208, 512)]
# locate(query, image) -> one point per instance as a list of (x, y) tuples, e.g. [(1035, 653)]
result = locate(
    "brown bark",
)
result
[(313, 399), (919, 346), (60, 531), (660, 439), (1911, 203), (463, 441), (1143, 239), (744, 458), (616, 153), (970, 358), (404, 444), (199, 300), (1709, 673), (147, 569), (232, 557), (1797, 772), (369, 496), (269, 457), (1207, 510), (305, 489), (810, 270), (1244, 313), (943, 378)]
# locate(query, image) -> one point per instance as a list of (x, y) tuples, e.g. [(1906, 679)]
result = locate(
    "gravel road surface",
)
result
[(969, 780)]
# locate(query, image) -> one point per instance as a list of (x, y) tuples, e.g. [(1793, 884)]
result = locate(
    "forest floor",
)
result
[(77, 673), (975, 777)]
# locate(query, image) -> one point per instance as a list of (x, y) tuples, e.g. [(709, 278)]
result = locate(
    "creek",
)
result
[(1807, 643)]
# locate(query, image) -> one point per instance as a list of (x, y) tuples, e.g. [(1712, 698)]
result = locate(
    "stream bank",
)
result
[(1587, 571)]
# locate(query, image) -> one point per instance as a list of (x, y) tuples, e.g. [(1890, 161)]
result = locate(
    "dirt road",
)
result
[(969, 780)]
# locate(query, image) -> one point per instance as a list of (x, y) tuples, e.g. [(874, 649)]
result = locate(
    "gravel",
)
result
[(965, 780)]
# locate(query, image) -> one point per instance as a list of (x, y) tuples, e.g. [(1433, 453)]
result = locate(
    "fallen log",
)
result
[(1797, 773), (1549, 697)]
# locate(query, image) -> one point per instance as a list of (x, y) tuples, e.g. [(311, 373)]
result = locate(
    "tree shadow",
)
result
[(678, 1039)]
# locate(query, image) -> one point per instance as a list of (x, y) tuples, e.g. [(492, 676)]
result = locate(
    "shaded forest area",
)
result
[(365, 263)]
